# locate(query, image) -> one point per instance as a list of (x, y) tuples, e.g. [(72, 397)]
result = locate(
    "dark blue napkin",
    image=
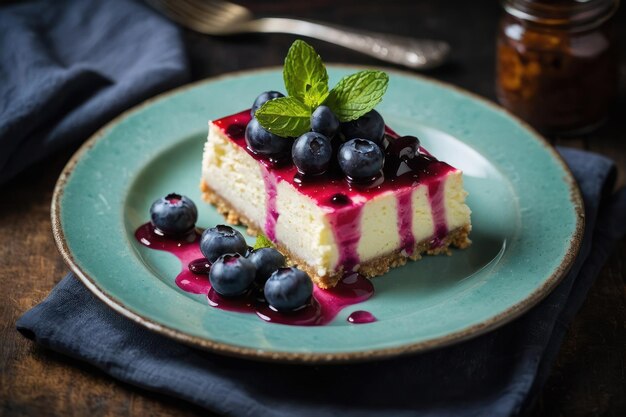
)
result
[(69, 66), (496, 374)]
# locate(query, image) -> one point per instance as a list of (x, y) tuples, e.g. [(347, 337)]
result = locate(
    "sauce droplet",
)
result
[(340, 199), (200, 266), (361, 317)]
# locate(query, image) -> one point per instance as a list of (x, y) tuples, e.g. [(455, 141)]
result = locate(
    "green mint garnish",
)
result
[(262, 242), (357, 94), (285, 116), (306, 82), (305, 75)]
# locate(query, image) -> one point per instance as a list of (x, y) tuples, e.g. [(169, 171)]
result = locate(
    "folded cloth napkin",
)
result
[(69, 66), (495, 374)]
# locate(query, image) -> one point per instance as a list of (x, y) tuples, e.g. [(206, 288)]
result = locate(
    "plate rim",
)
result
[(511, 313)]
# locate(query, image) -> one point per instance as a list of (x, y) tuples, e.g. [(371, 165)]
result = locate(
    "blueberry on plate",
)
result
[(288, 289), (220, 240), (324, 121), (369, 126), (360, 159), (266, 261), (174, 214), (262, 98), (263, 142), (231, 275), (311, 153)]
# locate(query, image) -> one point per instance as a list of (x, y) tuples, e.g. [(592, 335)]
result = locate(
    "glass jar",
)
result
[(557, 63)]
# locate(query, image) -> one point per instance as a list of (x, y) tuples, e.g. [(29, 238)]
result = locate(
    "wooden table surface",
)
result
[(589, 377)]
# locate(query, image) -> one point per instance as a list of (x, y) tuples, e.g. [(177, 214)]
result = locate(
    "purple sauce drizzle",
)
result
[(271, 215), (405, 221), (323, 308), (186, 249), (346, 225)]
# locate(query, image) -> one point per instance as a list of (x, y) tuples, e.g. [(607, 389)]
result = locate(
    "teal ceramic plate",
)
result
[(527, 223)]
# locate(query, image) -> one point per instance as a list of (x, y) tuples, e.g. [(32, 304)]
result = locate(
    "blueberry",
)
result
[(369, 126), (261, 99), (324, 121), (174, 214), (263, 142), (311, 153), (231, 275), (266, 261), (360, 159), (288, 289), (220, 240)]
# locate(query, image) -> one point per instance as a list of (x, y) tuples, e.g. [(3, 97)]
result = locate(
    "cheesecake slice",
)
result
[(327, 225)]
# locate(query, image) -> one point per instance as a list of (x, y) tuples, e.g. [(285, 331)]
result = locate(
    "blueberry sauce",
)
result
[(236, 130), (270, 205), (192, 283), (242, 304), (323, 307), (340, 199), (200, 266), (311, 314), (346, 226), (234, 126), (361, 317), (404, 208), (343, 200), (185, 248)]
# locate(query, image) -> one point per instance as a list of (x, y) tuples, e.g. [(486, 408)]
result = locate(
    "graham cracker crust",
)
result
[(458, 238)]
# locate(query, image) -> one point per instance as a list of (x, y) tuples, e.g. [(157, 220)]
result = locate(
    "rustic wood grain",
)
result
[(589, 376)]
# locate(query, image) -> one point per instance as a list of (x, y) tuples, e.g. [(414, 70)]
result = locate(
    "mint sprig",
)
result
[(306, 82), (357, 94), (305, 75)]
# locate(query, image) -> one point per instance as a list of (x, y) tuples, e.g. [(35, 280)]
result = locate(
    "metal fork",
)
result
[(217, 17)]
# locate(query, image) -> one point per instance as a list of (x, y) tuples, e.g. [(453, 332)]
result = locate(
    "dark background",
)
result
[(469, 27), (589, 378)]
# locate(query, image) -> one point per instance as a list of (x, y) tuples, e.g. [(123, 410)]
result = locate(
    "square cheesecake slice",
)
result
[(327, 225)]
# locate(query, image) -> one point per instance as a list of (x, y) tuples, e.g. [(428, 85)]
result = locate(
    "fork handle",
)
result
[(412, 53)]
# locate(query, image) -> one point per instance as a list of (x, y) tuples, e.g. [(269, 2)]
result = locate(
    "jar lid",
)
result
[(578, 14)]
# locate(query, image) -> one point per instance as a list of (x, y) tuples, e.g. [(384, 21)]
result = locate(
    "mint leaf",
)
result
[(306, 82), (356, 94), (262, 242), (284, 116), (305, 75)]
